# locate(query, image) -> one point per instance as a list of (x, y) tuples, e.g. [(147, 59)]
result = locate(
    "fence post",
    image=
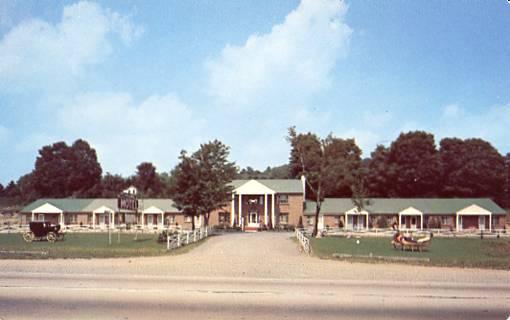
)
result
[(206, 228), (187, 237), (167, 241), (178, 239)]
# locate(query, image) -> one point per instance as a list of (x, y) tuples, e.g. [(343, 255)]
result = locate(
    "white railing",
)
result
[(304, 242), (182, 238)]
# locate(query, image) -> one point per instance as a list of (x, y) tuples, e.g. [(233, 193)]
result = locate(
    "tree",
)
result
[(1, 190), (62, 171), (26, 187), (416, 161), (379, 171), (12, 190), (111, 185), (324, 163), (147, 180), (199, 183), (471, 168), (506, 192)]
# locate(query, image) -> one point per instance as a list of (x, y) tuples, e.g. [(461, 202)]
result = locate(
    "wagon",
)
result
[(40, 230)]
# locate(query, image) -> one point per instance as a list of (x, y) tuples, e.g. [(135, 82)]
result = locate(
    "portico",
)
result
[(253, 205), (474, 217), (410, 218), (48, 212)]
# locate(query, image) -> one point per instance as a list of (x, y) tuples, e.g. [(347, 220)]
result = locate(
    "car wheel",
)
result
[(28, 236), (52, 237)]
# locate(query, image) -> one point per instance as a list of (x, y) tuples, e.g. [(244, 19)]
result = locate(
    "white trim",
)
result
[(474, 210), (411, 212), (47, 208), (265, 210), (272, 210), (153, 210), (253, 187)]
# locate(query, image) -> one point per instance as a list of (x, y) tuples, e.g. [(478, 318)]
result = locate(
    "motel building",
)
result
[(277, 203)]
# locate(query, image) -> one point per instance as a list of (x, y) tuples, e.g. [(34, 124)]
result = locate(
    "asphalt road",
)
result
[(42, 296), (246, 277)]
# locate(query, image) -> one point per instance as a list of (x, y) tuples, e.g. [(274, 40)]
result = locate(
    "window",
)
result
[(284, 218), (223, 217), (41, 217), (445, 220), (309, 220), (170, 219), (187, 219), (283, 198)]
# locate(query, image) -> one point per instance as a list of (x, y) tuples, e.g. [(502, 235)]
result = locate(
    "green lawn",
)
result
[(487, 253), (85, 245)]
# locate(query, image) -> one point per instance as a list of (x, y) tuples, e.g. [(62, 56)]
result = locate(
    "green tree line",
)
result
[(411, 166)]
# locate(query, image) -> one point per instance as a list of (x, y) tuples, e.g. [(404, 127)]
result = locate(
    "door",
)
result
[(350, 222), (253, 219), (481, 223), (413, 223)]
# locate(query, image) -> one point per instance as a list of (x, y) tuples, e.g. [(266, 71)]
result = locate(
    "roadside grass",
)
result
[(87, 245), (448, 252)]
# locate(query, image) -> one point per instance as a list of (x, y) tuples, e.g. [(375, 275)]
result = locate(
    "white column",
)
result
[(62, 219), (421, 222), (490, 222), (162, 224), (265, 209), (272, 210), (232, 210), (399, 221), (240, 210), (366, 222), (33, 216), (142, 219), (112, 222), (93, 220), (458, 227), (345, 221)]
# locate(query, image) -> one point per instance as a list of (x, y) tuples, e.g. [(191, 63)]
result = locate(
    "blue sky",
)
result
[(142, 80)]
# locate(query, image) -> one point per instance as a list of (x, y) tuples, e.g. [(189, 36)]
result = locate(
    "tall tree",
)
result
[(62, 171), (471, 168), (324, 163), (147, 180), (27, 189), (506, 192), (111, 185), (379, 171), (1, 190), (416, 162), (200, 181), (12, 190)]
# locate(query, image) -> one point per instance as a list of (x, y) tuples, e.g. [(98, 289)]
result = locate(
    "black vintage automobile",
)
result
[(40, 230)]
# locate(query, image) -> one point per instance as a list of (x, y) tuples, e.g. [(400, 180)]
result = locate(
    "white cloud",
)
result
[(452, 111), (37, 53), (126, 133), (291, 63)]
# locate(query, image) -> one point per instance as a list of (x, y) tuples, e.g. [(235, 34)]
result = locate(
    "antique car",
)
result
[(40, 230)]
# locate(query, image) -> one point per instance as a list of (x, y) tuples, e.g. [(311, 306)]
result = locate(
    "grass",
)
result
[(473, 253), (86, 245)]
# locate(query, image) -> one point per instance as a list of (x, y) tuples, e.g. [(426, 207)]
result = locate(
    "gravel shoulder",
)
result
[(264, 255)]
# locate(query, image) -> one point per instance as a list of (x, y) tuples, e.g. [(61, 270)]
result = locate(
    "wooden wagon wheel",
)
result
[(52, 237), (28, 236)]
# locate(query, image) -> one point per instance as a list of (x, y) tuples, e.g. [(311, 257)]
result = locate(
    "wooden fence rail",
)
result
[(183, 238), (304, 242)]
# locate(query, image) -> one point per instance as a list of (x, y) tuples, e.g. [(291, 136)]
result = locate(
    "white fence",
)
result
[(446, 233), (182, 238), (304, 242)]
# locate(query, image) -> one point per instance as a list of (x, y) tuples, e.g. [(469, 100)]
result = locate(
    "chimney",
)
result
[(303, 181)]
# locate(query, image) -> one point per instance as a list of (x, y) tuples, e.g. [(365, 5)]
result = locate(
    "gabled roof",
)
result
[(336, 206), (277, 185), (89, 205)]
